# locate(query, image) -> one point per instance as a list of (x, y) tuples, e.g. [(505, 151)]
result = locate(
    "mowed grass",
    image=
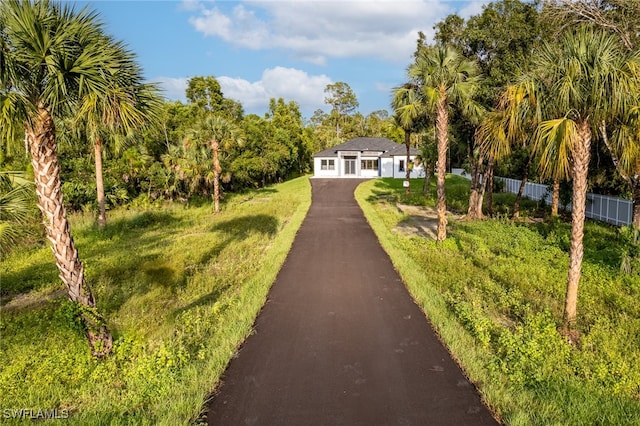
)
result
[(180, 288), (494, 291)]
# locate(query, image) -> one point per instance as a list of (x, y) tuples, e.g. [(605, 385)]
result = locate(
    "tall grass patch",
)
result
[(180, 288), (494, 290)]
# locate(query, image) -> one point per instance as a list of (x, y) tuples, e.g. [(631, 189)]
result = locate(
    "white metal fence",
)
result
[(617, 211)]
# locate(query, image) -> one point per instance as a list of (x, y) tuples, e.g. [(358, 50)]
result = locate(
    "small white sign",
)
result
[(405, 184)]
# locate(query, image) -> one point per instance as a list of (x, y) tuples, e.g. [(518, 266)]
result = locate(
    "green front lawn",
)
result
[(494, 291), (180, 288)]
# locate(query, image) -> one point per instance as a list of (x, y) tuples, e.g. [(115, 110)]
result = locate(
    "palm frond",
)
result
[(555, 139), (491, 135)]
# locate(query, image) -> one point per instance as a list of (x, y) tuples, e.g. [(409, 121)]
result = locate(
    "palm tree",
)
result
[(584, 80), (493, 142), (624, 147), (125, 105), (52, 58), (219, 133), (511, 125), (445, 79), (407, 107)]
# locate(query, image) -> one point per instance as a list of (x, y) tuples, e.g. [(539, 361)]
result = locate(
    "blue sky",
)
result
[(273, 48)]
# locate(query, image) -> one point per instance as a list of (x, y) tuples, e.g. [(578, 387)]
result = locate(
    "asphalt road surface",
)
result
[(340, 341)]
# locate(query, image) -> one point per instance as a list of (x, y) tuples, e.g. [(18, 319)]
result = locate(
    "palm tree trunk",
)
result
[(102, 213), (427, 178), (523, 183), (474, 194), (407, 143), (442, 125), (44, 158), (215, 145), (580, 170), (635, 189), (555, 197), (488, 184)]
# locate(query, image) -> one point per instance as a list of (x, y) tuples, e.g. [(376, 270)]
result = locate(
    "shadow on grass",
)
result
[(602, 243), (249, 195), (234, 231), (122, 256), (32, 277), (238, 229), (392, 190), (140, 223), (89, 243), (387, 189)]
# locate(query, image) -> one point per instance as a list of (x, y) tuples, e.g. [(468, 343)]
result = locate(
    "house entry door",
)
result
[(349, 165)]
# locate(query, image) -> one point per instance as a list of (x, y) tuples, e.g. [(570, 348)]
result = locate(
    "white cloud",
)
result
[(316, 30), (190, 5), (173, 88), (212, 22), (288, 83), (473, 8), (279, 82)]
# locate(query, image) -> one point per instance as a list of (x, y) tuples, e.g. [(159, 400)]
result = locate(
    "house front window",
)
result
[(327, 165), (369, 165), (401, 166)]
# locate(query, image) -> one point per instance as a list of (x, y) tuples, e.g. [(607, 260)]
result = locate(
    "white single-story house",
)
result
[(367, 158)]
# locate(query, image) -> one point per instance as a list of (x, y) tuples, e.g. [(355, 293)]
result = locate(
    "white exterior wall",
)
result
[(317, 168), (387, 166), (369, 173), (390, 167)]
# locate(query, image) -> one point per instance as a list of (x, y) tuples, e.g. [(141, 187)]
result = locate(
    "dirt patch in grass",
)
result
[(420, 220)]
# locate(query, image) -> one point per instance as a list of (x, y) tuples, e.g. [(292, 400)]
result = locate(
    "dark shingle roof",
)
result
[(360, 144), (400, 150)]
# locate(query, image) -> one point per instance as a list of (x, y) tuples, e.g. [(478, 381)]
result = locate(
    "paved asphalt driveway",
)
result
[(340, 341)]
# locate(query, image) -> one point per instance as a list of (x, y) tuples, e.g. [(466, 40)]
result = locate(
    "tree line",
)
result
[(522, 89)]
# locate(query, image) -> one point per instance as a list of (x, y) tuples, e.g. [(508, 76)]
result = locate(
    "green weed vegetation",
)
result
[(180, 288), (494, 291)]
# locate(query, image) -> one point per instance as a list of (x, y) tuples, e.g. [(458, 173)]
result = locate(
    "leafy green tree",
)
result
[(375, 123), (175, 120), (54, 57), (343, 102), (258, 163), (618, 17), (324, 130), (205, 93), (449, 32), (286, 117), (445, 78), (501, 39)]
